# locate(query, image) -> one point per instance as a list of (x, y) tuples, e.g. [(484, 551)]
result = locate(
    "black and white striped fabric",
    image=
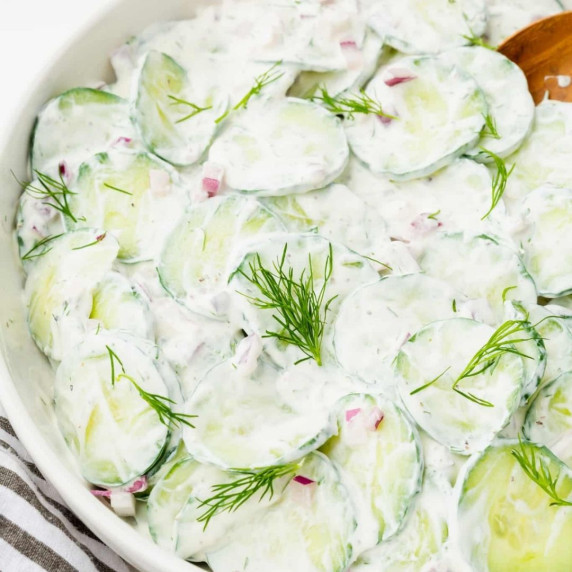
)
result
[(37, 531)]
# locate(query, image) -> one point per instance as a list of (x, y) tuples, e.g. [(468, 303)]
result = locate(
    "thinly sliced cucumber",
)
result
[(116, 305), (418, 544), (426, 26), (549, 419), (309, 529), (176, 131), (196, 257), (505, 521), (386, 314), (547, 248), (544, 157), (349, 270), (362, 62), (505, 17), (115, 434), (60, 287), (481, 267), (439, 114), (278, 147), (210, 55), (533, 347), (336, 214), (439, 353), (453, 199), (252, 419), (378, 453), (557, 338), (132, 196), (510, 105), (174, 507), (307, 34), (37, 223), (86, 121)]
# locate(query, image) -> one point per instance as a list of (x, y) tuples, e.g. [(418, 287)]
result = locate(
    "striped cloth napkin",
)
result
[(37, 531)]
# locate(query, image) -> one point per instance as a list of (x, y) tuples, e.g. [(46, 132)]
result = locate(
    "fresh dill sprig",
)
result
[(475, 40), (429, 383), (33, 252), (260, 82), (97, 240), (113, 357), (229, 497), (490, 129), (433, 216), (537, 470), (160, 403), (350, 105), (300, 311), (195, 109), (112, 188), (54, 193), (500, 180), (500, 343)]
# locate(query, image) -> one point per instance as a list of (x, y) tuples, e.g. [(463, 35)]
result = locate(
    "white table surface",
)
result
[(31, 33)]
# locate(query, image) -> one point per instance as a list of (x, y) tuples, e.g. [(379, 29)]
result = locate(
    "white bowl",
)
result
[(25, 375)]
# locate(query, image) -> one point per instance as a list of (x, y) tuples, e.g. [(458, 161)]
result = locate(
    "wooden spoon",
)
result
[(543, 51)]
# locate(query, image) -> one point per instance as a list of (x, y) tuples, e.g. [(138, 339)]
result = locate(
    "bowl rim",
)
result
[(116, 533)]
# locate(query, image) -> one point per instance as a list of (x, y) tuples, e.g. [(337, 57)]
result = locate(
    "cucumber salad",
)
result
[(304, 277)]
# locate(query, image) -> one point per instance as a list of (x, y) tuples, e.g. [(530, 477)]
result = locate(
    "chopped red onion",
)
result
[(398, 75), (303, 480), (212, 178), (424, 225), (100, 237), (100, 493), (374, 418), (384, 119), (138, 485), (351, 413), (122, 141), (345, 44)]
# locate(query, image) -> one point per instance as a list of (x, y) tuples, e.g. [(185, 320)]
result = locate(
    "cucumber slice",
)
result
[(263, 418), (442, 350), (557, 337), (544, 156), (173, 508), (132, 196), (418, 544), (306, 34), (549, 419), (547, 248), (387, 312), (439, 114), (349, 271), (116, 305), (378, 453), (504, 519), (86, 121), (37, 223), (512, 115), (453, 199), (505, 17), (426, 26), (60, 287), (196, 257), (501, 275), (362, 62), (278, 147), (172, 130), (308, 529), (336, 214), (114, 433)]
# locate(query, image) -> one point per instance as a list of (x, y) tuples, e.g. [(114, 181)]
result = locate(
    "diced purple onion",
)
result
[(303, 480)]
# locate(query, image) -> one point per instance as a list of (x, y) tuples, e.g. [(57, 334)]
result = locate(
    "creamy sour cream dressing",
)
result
[(236, 142)]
